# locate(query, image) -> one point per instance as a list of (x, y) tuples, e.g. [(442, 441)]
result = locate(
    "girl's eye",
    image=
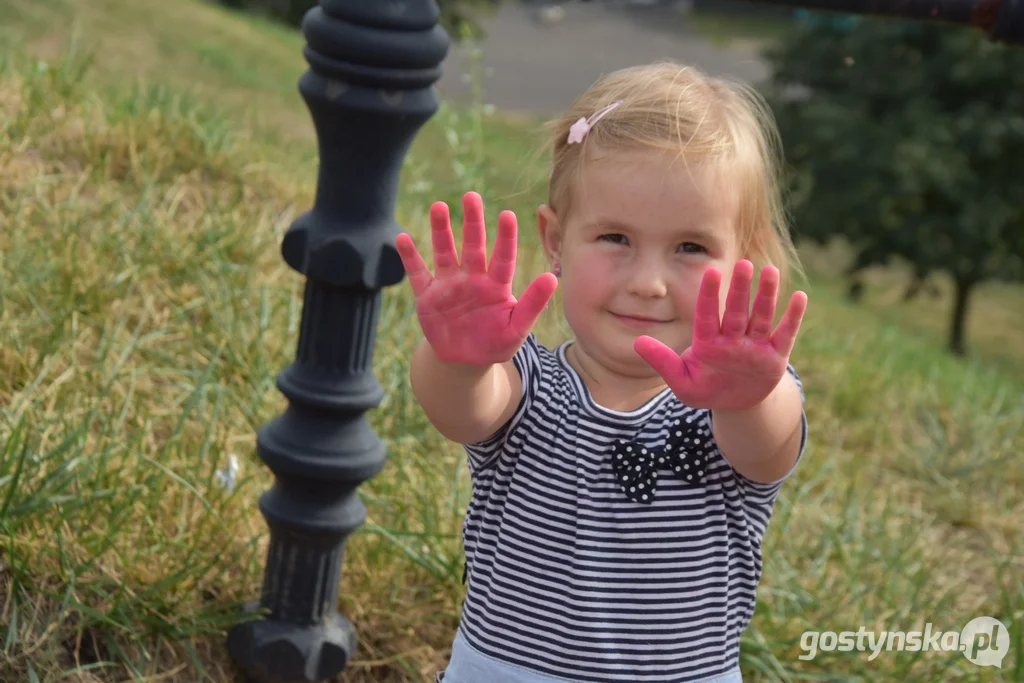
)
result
[(687, 247)]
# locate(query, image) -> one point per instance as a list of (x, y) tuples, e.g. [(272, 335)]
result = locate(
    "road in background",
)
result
[(538, 68)]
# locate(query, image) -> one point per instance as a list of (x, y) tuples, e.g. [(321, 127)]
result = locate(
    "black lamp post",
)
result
[(369, 89), (1002, 20)]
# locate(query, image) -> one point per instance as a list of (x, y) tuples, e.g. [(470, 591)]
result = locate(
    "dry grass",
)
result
[(145, 312)]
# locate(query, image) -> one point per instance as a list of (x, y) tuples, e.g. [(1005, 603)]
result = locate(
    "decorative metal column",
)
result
[(369, 89)]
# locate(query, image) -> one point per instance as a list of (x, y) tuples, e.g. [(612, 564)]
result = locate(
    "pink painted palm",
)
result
[(735, 362), (466, 309)]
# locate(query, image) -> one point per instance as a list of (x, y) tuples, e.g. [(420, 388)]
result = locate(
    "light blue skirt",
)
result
[(469, 666)]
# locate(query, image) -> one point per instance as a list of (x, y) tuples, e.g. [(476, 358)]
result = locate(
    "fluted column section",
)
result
[(369, 89)]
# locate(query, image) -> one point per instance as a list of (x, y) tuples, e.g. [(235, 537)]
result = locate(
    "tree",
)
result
[(907, 140), (458, 17)]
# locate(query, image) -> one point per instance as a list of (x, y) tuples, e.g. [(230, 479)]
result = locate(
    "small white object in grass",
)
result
[(227, 478)]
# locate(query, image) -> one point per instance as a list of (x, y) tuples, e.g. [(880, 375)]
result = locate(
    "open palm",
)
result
[(466, 309), (734, 362)]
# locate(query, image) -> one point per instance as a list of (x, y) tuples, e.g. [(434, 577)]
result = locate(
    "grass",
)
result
[(993, 327), (145, 311)]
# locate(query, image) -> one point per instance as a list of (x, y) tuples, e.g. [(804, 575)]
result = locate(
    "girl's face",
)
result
[(642, 230)]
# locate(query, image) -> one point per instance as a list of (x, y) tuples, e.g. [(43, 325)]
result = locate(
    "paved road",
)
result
[(540, 69)]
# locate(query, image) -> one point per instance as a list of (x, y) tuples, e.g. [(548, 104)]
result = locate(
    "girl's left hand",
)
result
[(736, 362)]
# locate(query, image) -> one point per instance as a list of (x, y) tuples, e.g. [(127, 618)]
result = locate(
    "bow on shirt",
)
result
[(685, 454)]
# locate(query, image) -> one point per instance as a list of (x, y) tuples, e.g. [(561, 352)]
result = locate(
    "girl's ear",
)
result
[(550, 233)]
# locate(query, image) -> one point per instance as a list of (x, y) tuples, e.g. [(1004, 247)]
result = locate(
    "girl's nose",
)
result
[(647, 281)]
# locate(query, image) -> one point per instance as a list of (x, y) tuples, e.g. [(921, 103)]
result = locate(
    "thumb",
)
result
[(532, 303), (662, 358)]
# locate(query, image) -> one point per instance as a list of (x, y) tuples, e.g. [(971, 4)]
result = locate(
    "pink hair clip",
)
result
[(579, 130)]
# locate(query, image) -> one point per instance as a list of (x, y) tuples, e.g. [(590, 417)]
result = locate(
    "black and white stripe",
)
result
[(570, 578)]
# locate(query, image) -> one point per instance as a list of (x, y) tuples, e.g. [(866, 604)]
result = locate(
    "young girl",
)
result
[(622, 482)]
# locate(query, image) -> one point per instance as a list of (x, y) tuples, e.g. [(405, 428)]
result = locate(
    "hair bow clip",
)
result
[(579, 130)]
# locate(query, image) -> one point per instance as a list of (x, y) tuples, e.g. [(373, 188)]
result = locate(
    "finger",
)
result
[(446, 259), (503, 261), (532, 303), (662, 358), (737, 302), (785, 334), (705, 321), (415, 267), (474, 234), (763, 314)]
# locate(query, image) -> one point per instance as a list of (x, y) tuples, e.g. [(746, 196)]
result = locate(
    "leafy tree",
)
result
[(907, 140), (459, 17)]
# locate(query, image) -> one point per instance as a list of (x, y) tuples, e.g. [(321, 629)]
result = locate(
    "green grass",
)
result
[(994, 324), (145, 311)]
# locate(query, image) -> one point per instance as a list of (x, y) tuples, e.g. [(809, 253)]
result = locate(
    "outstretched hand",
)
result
[(735, 362), (466, 309)]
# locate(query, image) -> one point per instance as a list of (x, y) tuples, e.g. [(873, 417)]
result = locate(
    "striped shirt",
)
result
[(569, 578)]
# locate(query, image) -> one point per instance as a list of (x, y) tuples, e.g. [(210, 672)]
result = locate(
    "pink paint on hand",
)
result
[(466, 309), (736, 362)]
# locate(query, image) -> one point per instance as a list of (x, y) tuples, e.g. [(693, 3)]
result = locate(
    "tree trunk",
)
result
[(913, 289), (855, 292), (956, 335)]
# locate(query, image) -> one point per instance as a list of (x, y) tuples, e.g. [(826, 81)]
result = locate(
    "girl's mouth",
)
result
[(635, 321)]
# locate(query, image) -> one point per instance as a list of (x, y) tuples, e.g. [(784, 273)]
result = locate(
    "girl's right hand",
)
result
[(467, 310)]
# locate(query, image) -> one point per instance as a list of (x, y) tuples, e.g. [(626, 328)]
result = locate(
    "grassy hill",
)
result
[(152, 155)]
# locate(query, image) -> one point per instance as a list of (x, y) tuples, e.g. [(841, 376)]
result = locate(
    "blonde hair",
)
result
[(709, 121)]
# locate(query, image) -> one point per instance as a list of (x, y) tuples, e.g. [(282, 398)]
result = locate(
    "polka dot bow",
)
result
[(637, 466)]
